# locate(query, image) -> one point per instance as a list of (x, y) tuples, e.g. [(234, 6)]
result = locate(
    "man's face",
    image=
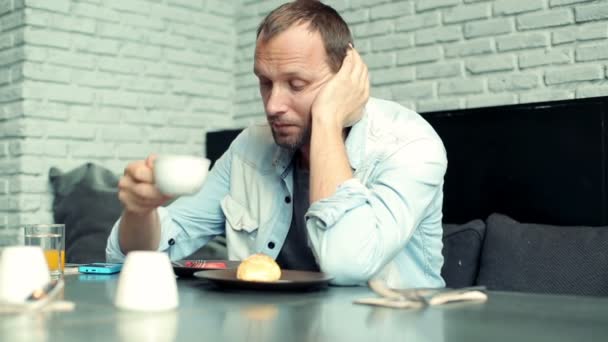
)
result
[(291, 67)]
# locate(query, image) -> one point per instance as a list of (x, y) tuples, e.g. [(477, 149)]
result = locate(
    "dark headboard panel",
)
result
[(216, 143), (542, 162)]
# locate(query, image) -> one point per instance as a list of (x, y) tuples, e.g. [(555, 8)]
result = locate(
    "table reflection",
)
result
[(319, 317), (147, 326), (30, 327), (206, 313)]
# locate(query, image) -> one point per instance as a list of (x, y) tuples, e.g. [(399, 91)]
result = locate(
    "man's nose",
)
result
[(275, 105)]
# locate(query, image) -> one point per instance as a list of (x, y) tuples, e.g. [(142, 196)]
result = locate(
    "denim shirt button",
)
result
[(287, 199), (171, 242), (271, 245)]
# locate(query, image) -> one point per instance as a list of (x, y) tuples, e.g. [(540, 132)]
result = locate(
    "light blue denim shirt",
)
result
[(384, 222)]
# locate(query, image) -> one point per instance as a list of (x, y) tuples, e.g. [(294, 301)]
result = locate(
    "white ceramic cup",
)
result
[(179, 174), (147, 283), (23, 269)]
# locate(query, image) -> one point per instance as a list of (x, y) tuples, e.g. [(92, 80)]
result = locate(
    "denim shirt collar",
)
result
[(355, 147)]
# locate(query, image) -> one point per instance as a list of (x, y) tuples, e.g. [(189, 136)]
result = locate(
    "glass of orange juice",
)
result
[(51, 238)]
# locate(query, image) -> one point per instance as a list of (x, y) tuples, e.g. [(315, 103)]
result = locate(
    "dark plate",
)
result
[(187, 268), (290, 280)]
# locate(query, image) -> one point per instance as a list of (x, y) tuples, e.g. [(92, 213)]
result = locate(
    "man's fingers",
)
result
[(141, 197), (137, 191), (148, 193), (141, 192), (364, 75), (124, 182), (347, 64), (150, 161), (359, 65), (140, 172), (131, 204)]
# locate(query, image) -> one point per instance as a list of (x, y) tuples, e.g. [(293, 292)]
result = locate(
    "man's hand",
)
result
[(342, 98), (136, 188), (338, 105)]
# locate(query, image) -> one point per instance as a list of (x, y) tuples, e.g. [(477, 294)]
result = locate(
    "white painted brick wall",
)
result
[(446, 54), (107, 82), (12, 127)]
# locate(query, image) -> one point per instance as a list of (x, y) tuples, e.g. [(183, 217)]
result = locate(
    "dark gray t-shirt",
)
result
[(295, 254)]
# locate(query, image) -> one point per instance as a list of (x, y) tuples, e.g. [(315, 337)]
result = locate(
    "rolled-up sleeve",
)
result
[(190, 221), (172, 240), (113, 252), (327, 212), (366, 222)]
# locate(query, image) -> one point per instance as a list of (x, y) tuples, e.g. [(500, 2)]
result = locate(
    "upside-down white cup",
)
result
[(147, 283), (180, 175), (23, 269)]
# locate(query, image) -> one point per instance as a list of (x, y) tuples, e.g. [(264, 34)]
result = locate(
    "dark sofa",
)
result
[(543, 164)]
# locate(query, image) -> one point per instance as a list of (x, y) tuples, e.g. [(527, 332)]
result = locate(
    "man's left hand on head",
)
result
[(342, 98)]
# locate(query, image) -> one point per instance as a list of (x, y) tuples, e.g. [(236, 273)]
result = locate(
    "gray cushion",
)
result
[(86, 202), (543, 258), (461, 248)]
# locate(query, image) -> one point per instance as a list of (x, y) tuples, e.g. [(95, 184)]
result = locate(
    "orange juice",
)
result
[(52, 258), (51, 239)]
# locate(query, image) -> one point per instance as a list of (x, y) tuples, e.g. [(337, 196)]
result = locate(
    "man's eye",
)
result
[(297, 85), (265, 84)]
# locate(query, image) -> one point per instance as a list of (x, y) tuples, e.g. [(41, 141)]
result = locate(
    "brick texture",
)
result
[(13, 128), (473, 52), (106, 82)]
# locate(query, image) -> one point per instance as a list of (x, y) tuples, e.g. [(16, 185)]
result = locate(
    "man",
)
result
[(333, 182)]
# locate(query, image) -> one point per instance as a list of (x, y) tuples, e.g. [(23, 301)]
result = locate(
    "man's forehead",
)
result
[(290, 44), (295, 50), (284, 70)]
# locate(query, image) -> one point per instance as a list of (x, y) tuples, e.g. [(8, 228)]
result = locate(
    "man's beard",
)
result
[(294, 143)]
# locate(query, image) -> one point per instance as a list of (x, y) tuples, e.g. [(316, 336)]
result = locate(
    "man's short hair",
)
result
[(320, 18)]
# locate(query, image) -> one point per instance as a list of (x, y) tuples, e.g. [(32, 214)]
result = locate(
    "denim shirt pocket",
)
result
[(241, 229)]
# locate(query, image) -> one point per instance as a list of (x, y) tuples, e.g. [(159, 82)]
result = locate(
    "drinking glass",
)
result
[(51, 238)]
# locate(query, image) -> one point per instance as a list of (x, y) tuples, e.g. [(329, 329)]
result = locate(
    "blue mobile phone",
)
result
[(100, 268)]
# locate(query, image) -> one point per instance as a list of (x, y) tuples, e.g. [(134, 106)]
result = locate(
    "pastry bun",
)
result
[(258, 267)]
